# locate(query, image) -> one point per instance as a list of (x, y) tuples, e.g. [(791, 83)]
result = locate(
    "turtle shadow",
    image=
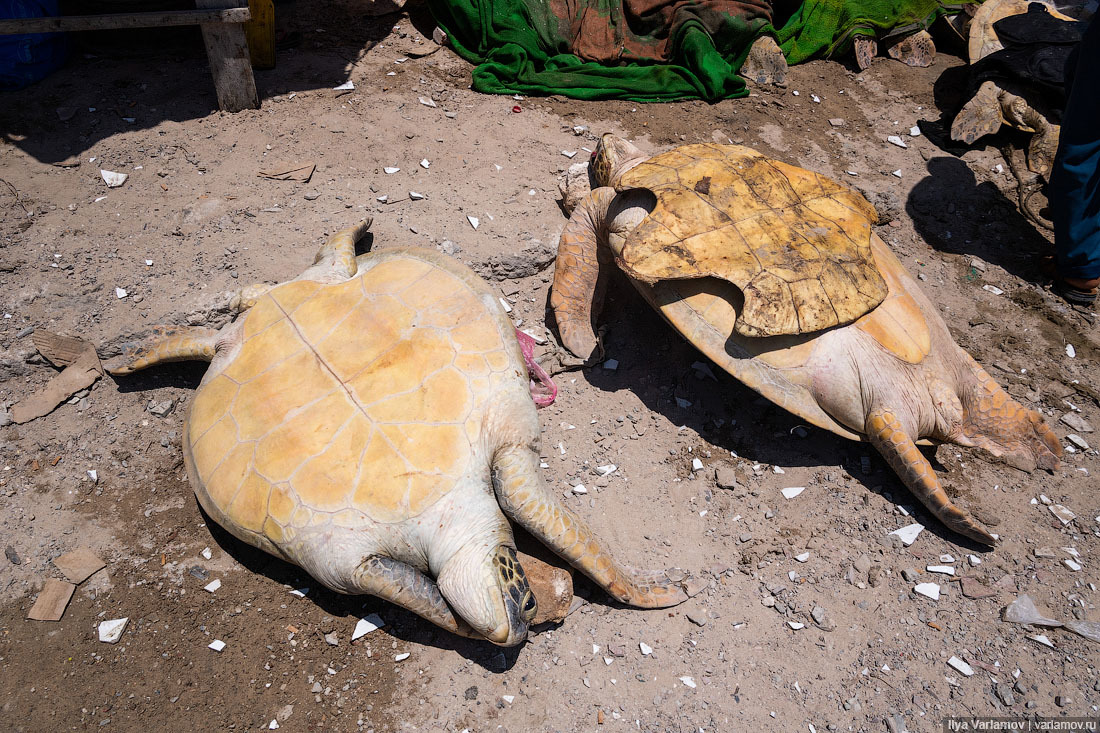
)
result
[(657, 365), (955, 214), (180, 375), (400, 624)]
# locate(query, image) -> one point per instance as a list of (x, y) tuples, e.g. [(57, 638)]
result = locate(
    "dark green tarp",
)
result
[(650, 50)]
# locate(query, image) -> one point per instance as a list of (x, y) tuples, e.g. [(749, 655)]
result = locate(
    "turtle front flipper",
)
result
[(865, 49), (980, 116), (335, 261), (525, 499), (166, 343), (885, 432), (917, 49), (405, 586), (577, 292)]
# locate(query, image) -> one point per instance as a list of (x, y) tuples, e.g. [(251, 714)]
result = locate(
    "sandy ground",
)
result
[(194, 222)]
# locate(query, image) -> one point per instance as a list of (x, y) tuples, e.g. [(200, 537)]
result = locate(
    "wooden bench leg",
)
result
[(261, 33), (227, 52)]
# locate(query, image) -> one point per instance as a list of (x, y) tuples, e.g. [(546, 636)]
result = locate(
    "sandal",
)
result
[(1074, 295)]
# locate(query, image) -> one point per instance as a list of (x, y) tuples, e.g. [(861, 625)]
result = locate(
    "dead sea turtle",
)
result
[(1003, 96), (370, 421), (731, 246)]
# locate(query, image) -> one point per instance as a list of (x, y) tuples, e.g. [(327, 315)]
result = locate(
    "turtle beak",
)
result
[(519, 602)]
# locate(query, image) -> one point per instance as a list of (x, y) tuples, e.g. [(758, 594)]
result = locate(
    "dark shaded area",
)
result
[(154, 76), (955, 214)]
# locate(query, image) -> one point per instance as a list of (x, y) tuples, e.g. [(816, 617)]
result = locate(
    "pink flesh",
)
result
[(543, 389)]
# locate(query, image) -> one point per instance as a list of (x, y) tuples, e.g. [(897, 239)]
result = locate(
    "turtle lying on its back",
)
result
[(371, 421), (774, 273)]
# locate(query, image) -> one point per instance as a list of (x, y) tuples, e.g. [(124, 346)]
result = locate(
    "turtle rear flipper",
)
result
[(166, 343), (915, 50), (865, 49), (980, 116), (765, 63)]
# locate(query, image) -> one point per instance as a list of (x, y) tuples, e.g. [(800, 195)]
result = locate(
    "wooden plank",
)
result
[(227, 52), (112, 21), (261, 33)]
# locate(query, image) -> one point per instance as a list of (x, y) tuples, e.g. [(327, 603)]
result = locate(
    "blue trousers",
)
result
[(1075, 178)]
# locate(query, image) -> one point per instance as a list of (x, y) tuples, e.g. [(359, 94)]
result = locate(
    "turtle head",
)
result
[(613, 157), (491, 594)]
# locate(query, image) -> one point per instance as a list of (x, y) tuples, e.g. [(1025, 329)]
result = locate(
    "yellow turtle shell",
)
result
[(363, 397), (796, 244)]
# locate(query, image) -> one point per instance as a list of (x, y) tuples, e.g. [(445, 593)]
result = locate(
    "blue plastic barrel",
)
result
[(30, 57)]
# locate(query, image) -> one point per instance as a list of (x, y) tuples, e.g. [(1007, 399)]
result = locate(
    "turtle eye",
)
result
[(529, 606)]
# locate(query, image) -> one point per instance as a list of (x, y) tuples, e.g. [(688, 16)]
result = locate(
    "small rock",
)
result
[(471, 693), (312, 195), (331, 639), (1064, 515), (645, 649), (862, 564), (12, 555), (909, 533), (972, 588), (909, 576), (803, 557), (792, 491), (928, 590), (111, 631), (895, 140), (696, 618), (1004, 694), (961, 666), (696, 464), (217, 645), (161, 409), (836, 121), (1078, 441), (1076, 422), (1062, 701)]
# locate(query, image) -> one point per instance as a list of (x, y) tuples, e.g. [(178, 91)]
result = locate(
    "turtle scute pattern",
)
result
[(346, 400), (797, 244)]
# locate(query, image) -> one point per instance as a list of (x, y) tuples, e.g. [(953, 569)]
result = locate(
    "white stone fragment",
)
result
[(273, 725), (508, 698), (120, 293), (474, 221), (111, 631), (391, 169), (402, 656), (947, 558), (974, 560), (792, 491), (690, 681), (944, 569), (796, 625), (1070, 351), (345, 87), (606, 470), (580, 489), (914, 131), (425, 163), (569, 153), (777, 469), (149, 263), (505, 305), (1072, 564), (961, 666), (993, 289), (416, 196), (1042, 639), (112, 179), (212, 586), (696, 464), (645, 649), (909, 533), (803, 557), (367, 624), (895, 140), (897, 173), (93, 475), (427, 102), (1078, 441), (928, 590), (217, 645), (300, 592), (536, 337), (206, 553), (1065, 516)]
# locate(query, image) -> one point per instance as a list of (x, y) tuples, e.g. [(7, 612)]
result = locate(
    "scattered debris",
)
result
[(111, 631), (81, 370), (688, 681), (909, 533), (113, 179), (212, 586), (217, 645), (301, 172), (367, 624), (961, 666), (78, 565), (645, 649), (792, 491), (928, 590), (52, 601), (895, 140), (1024, 611), (1065, 516), (474, 221), (402, 656), (347, 86)]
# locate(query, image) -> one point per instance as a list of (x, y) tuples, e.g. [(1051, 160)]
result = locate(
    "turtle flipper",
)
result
[(525, 499), (865, 48), (980, 116), (336, 258), (885, 432), (917, 49), (405, 586), (247, 296), (765, 63), (577, 291), (166, 343), (997, 423)]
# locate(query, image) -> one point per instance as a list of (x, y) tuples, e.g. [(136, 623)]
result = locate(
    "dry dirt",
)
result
[(726, 660)]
